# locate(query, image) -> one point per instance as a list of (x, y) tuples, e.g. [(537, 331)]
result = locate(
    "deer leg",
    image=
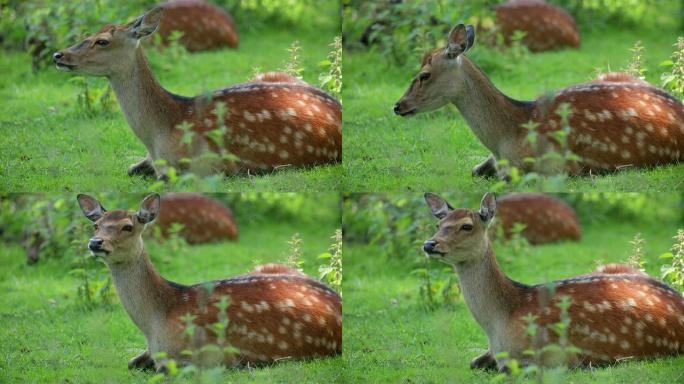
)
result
[(484, 361), (142, 361), (486, 168), (144, 167)]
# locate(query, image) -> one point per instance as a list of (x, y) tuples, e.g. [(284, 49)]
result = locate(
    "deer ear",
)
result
[(439, 207), (488, 207), (460, 39), (145, 24), (149, 208), (91, 207)]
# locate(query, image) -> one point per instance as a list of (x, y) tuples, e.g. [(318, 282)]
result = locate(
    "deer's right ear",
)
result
[(460, 39), (146, 24), (439, 207), (149, 208), (488, 207), (92, 209)]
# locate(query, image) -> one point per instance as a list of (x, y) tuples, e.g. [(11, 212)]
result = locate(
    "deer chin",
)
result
[(65, 67), (100, 253), (409, 113), (435, 255)]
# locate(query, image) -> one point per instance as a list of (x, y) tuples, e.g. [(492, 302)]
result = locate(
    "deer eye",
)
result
[(467, 227), (102, 42), (127, 228), (424, 76)]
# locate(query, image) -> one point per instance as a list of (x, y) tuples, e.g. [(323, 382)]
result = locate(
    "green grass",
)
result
[(390, 337), (436, 151), (49, 144), (48, 337)]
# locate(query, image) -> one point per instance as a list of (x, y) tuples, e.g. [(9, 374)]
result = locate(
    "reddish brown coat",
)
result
[(614, 316), (546, 26), (273, 124), (204, 219), (204, 26), (546, 219), (273, 316), (618, 123), (277, 77)]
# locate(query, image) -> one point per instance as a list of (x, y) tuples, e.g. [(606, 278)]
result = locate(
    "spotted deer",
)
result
[(203, 219), (546, 26), (616, 121), (615, 314), (266, 125), (546, 218), (275, 313), (204, 25)]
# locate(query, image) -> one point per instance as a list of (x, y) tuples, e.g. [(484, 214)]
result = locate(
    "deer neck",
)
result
[(495, 118), (150, 110), (490, 295), (145, 295)]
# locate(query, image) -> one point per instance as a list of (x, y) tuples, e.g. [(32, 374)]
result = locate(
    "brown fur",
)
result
[(546, 218), (547, 27), (204, 219), (204, 26)]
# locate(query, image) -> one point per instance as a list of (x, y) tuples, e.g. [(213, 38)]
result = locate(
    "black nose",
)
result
[(56, 56), (396, 108), (429, 246), (95, 244)]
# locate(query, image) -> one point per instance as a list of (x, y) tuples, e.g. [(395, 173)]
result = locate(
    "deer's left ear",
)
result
[(146, 24), (488, 207), (149, 208), (460, 39)]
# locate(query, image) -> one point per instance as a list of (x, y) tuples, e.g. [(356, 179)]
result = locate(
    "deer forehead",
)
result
[(458, 217), (116, 218)]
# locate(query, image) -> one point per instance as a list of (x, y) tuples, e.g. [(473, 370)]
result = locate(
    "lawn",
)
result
[(436, 151), (49, 144), (391, 337), (49, 337)]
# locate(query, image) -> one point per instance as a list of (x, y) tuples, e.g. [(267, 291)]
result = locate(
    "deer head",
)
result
[(439, 80), (117, 236), (110, 50), (461, 233)]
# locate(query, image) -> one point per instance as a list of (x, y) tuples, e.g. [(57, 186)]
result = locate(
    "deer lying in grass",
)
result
[(204, 25), (204, 219), (615, 122), (546, 218), (275, 313), (267, 124), (546, 26), (615, 313)]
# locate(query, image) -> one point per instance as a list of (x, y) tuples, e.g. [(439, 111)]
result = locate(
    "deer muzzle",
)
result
[(96, 246)]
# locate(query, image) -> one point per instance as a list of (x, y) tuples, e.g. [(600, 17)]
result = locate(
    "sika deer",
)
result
[(546, 26), (268, 124), (204, 219), (613, 124), (613, 316), (546, 218), (204, 25), (275, 313)]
